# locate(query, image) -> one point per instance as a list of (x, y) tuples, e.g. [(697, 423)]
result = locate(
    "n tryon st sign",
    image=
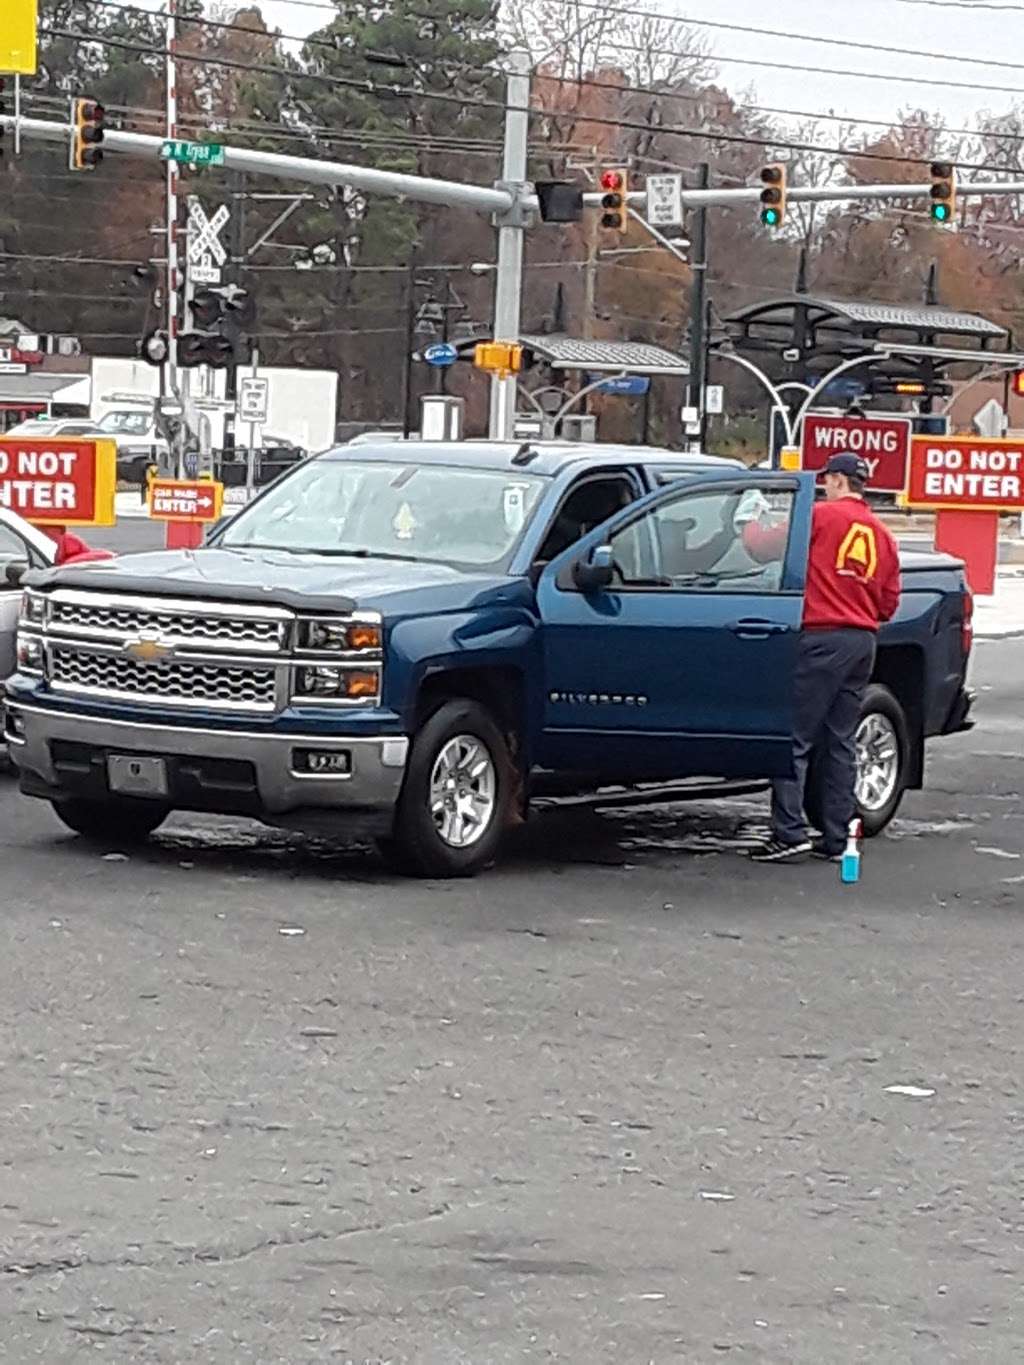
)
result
[(58, 482), (884, 442)]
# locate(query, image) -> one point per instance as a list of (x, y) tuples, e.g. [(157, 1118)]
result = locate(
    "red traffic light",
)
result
[(1017, 383), (612, 180)]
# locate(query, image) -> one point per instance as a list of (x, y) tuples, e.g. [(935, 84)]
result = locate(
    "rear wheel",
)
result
[(119, 821), (457, 795), (883, 753)]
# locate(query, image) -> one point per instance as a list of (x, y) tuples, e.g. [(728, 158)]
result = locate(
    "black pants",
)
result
[(833, 670)]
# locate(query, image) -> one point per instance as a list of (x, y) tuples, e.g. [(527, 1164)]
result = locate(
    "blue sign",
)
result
[(441, 354), (626, 385)]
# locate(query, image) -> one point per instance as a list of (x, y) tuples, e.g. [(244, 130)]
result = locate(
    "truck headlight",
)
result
[(317, 681), (29, 653), (346, 636), (33, 609)]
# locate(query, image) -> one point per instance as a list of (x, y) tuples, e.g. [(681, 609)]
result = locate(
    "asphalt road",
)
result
[(621, 1100)]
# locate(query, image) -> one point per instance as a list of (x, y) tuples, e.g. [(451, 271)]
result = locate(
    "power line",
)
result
[(371, 88)]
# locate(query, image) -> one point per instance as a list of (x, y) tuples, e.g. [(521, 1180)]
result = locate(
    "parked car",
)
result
[(419, 640), (55, 426)]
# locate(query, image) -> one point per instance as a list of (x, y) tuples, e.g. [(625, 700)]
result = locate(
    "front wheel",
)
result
[(117, 821), (457, 795), (883, 755)]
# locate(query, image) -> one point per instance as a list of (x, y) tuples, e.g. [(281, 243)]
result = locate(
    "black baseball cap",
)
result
[(850, 465)]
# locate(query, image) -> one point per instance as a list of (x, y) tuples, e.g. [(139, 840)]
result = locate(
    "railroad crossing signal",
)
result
[(87, 118), (614, 183), (773, 196), (943, 175)]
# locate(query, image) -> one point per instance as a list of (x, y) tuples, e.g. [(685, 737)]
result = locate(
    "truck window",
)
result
[(714, 541), (584, 507)]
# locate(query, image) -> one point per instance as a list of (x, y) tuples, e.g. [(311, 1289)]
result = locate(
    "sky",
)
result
[(987, 30)]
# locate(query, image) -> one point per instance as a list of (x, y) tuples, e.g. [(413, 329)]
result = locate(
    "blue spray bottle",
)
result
[(849, 868)]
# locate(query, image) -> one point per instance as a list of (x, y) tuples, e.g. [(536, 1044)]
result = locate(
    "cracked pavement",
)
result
[(623, 1099)]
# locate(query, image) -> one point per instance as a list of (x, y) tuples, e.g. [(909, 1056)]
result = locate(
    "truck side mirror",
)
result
[(15, 571), (596, 572)]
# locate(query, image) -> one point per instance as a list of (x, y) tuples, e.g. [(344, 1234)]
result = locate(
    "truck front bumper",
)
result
[(61, 755)]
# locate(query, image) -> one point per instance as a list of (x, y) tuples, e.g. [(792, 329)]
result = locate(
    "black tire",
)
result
[(416, 847), (114, 822), (878, 701)]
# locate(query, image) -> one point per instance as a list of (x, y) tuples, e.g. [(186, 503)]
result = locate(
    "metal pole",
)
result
[(236, 256), (410, 346), (171, 287), (698, 309), (508, 283), (250, 454)]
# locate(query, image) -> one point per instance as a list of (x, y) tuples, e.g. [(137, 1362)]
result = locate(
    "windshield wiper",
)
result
[(330, 552)]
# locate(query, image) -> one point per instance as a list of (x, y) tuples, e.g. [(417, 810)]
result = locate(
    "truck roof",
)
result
[(547, 458)]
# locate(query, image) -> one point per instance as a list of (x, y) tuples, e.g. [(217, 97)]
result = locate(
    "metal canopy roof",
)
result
[(613, 357), (869, 314)]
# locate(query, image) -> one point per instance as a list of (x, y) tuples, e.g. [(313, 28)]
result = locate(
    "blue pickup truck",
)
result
[(418, 639)]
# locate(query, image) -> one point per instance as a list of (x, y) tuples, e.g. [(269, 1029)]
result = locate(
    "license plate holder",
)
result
[(132, 775)]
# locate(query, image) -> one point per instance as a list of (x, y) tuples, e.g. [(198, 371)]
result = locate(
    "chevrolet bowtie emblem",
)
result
[(148, 649)]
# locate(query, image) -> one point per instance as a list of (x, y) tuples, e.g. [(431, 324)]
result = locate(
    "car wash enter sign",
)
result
[(59, 482), (968, 473)]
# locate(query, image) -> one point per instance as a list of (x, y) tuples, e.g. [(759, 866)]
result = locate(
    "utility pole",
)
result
[(511, 224), (698, 311)]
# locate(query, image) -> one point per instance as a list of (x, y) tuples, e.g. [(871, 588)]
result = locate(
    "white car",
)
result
[(20, 543), (55, 426)]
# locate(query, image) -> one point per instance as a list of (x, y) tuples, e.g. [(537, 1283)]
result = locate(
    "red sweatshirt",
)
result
[(853, 568)]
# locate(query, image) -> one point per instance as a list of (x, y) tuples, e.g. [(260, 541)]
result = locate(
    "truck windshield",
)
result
[(443, 513), (126, 423)]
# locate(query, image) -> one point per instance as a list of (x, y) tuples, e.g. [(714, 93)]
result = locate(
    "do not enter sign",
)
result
[(185, 500), (59, 482), (967, 473)]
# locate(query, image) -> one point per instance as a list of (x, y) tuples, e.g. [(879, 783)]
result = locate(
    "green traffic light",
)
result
[(940, 213), (770, 217)]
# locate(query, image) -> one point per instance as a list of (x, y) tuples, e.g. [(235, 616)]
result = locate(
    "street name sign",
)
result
[(185, 499), (192, 153), (59, 482), (883, 442)]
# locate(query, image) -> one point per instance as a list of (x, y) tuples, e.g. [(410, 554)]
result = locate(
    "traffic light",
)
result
[(943, 175), (559, 201), (773, 196), (213, 319), (1017, 383), (614, 183), (87, 118)]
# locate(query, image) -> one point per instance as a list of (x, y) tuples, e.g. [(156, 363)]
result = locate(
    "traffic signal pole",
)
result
[(511, 223), (698, 309), (170, 367)]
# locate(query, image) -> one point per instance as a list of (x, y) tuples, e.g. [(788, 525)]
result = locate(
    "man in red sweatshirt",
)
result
[(853, 584)]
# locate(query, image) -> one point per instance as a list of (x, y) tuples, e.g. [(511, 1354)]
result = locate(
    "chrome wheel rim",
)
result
[(463, 791), (878, 762)]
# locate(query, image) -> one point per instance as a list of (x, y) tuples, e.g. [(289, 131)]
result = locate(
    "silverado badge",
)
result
[(149, 648)]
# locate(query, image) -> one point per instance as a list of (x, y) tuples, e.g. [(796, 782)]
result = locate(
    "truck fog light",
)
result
[(322, 762)]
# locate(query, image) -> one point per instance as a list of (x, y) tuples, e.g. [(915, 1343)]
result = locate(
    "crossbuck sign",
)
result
[(206, 253)]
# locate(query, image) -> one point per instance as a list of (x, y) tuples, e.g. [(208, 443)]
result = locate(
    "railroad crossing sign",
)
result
[(206, 253)]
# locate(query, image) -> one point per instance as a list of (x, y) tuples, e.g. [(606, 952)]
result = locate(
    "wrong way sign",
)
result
[(883, 442), (185, 500)]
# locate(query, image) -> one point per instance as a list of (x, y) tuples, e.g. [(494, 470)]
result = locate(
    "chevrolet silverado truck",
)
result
[(417, 640)]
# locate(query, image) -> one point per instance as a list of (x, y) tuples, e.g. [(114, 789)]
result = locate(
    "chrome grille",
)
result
[(210, 686), (212, 625)]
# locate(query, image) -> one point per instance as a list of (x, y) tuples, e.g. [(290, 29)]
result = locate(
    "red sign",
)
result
[(884, 442), (59, 482), (966, 472), (185, 500)]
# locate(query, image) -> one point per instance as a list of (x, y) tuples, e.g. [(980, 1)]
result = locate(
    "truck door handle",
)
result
[(758, 630)]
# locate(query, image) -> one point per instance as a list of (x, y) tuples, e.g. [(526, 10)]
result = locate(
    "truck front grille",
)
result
[(210, 625), (210, 686)]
